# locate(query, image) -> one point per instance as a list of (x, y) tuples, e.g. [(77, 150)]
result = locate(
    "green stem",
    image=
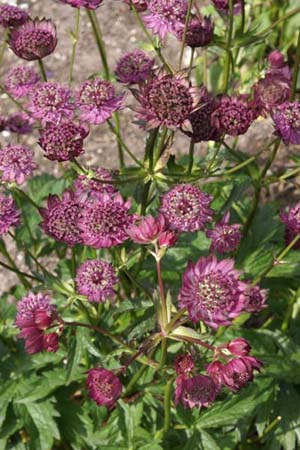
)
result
[(134, 379), (120, 140), (114, 338), (99, 41), (277, 22), (42, 70), (6, 255), (81, 169), (277, 260), (243, 17), (164, 317), (19, 105), (167, 405), (26, 196), (228, 48), (163, 356), (75, 37), (186, 25), (218, 147), (191, 158), (120, 148), (19, 272), (296, 69)]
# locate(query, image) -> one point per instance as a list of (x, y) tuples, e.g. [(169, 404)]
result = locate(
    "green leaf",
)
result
[(6, 395), (75, 354), (42, 415)]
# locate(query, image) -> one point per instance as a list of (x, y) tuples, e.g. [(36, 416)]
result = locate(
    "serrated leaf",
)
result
[(75, 353), (42, 415)]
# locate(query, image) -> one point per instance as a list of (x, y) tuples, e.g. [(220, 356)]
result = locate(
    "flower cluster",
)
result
[(35, 315), (16, 163)]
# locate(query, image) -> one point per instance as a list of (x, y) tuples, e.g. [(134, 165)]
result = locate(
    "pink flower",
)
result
[(34, 316), (233, 115), (223, 6), (51, 103), (286, 118), (12, 16), (20, 80), (89, 4), (202, 129), (9, 214), (60, 218), (271, 91), (104, 387), (147, 229), (237, 347), (256, 299), (234, 374), (224, 237), (19, 123), (186, 208), (86, 187), (291, 219), (166, 100), (184, 363), (104, 221), (212, 291), (165, 16), (33, 40), (167, 238), (16, 163), (96, 279), (134, 67), (97, 101), (194, 392), (276, 59), (199, 33), (63, 142)]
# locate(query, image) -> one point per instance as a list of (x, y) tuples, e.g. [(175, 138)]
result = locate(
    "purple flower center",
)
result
[(214, 291), (96, 93), (170, 100), (172, 10), (29, 40)]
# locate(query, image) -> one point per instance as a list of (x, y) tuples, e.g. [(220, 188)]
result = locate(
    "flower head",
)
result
[(194, 392), (165, 16), (286, 118), (199, 32), (186, 208), (236, 373), (89, 4), (276, 59), (184, 363), (166, 100), (86, 187), (63, 142), (50, 102), (19, 123), (147, 229), (256, 299), (134, 67), (233, 115), (224, 237), (20, 80), (271, 91), (104, 387), (140, 5), (35, 315), (33, 40), (104, 221), (9, 214), (202, 129), (291, 218), (223, 6), (60, 218), (96, 279), (12, 16), (16, 163), (212, 291), (97, 101)]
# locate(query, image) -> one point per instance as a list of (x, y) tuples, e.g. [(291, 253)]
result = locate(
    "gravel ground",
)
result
[(120, 34)]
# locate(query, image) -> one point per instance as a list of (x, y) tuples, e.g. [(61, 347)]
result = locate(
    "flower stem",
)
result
[(167, 405), (186, 25), (19, 272), (99, 41), (277, 260), (114, 338), (4, 45), (191, 158), (228, 48), (296, 69), (291, 13), (192, 340), (42, 70), (19, 105), (5, 253), (164, 317), (75, 37), (122, 143)]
